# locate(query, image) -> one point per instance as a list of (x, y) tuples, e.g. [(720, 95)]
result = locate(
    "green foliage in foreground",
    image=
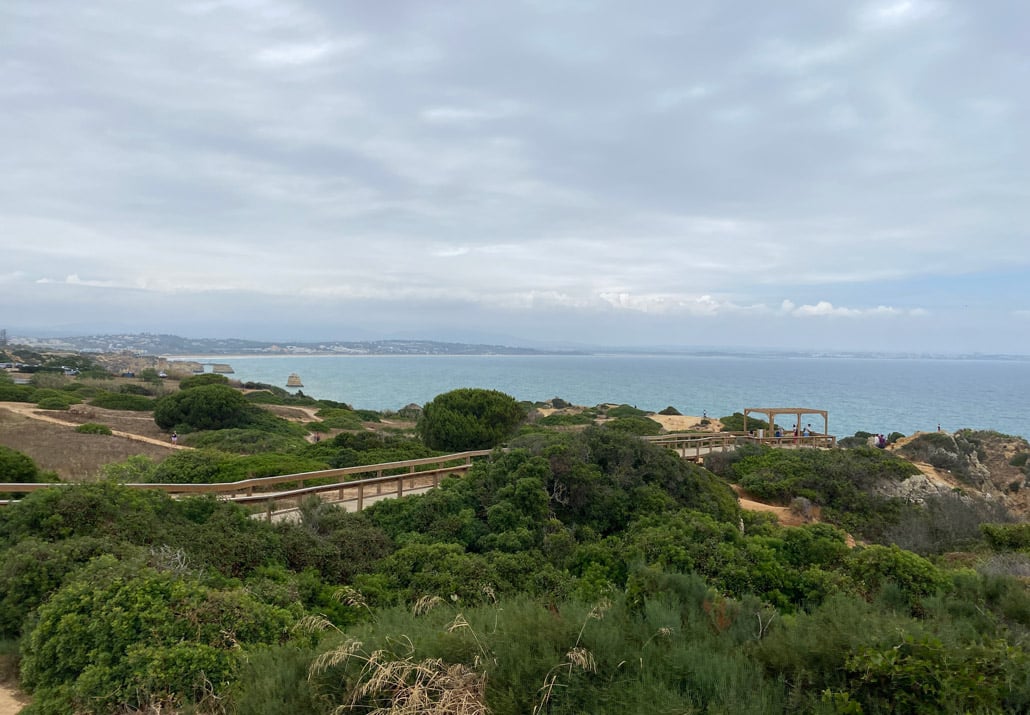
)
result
[(576, 573), (169, 639)]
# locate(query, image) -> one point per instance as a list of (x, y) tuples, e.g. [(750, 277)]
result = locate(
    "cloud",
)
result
[(825, 308), (668, 166)]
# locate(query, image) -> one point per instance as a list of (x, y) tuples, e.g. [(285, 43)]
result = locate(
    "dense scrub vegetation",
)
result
[(578, 571)]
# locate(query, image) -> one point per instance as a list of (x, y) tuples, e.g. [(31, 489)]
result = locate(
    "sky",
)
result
[(736, 173)]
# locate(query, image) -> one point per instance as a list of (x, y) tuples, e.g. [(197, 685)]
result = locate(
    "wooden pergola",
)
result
[(796, 412)]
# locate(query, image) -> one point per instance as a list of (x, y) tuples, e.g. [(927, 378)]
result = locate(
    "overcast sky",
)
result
[(818, 175)]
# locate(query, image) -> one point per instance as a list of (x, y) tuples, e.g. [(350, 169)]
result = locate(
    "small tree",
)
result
[(469, 418)]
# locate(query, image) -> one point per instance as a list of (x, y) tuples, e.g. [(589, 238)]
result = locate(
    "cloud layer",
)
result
[(679, 173)]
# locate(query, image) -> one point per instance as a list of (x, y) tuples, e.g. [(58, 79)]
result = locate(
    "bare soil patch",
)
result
[(686, 423), (11, 701)]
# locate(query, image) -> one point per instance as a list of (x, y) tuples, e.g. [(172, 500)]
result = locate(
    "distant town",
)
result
[(160, 344)]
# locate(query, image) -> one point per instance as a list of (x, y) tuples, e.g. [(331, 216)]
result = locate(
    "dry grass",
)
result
[(75, 456), (392, 685)]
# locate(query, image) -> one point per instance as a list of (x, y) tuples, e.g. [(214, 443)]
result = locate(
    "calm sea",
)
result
[(875, 395)]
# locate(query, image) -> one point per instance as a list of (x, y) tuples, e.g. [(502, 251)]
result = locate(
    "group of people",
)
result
[(806, 432)]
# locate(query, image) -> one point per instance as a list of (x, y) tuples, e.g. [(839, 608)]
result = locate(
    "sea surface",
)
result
[(871, 394)]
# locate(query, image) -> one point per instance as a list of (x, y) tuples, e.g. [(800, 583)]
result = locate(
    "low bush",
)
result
[(566, 420), (93, 428), (625, 411), (634, 425), (123, 401), (670, 410)]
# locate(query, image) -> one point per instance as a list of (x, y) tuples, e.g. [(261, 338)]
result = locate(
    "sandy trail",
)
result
[(11, 702), (28, 410)]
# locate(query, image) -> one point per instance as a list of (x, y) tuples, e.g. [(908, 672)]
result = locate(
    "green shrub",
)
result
[(1007, 537), (670, 410), (735, 423), (207, 378), (119, 637), (17, 467), (53, 399), (123, 401), (93, 428), (206, 407), (624, 411), (53, 403), (558, 419), (193, 466), (133, 389), (1019, 459), (16, 393), (874, 566), (634, 425), (469, 418), (339, 419), (242, 441)]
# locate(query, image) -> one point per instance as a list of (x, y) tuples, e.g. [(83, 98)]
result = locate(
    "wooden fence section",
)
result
[(391, 479), (695, 445)]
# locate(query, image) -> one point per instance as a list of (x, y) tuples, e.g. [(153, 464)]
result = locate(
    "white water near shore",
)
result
[(871, 394)]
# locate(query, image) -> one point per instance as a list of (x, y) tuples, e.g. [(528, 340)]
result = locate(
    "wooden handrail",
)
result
[(249, 485)]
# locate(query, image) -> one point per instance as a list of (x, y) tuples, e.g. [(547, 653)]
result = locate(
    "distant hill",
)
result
[(157, 344)]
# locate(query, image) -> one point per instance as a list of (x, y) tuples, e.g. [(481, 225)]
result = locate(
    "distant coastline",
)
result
[(204, 349)]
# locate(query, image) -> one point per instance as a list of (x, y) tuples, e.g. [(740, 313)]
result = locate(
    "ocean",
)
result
[(871, 394)]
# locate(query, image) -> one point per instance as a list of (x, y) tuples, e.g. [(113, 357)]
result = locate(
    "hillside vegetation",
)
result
[(579, 570)]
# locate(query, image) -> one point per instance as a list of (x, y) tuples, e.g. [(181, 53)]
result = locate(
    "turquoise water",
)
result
[(875, 395)]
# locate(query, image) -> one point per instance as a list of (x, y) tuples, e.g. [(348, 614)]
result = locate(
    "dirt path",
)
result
[(11, 701), (27, 410)]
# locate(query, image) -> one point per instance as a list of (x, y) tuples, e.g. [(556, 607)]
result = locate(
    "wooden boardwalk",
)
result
[(279, 498)]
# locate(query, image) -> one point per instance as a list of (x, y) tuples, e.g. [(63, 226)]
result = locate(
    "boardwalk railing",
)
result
[(695, 445), (391, 479)]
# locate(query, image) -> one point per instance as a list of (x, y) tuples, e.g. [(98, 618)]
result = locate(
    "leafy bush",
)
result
[(670, 410), (841, 481), (123, 401), (624, 411), (339, 419), (735, 423), (193, 466), (874, 566), (53, 399), (53, 403), (205, 407), (16, 393), (133, 389), (634, 425), (93, 428), (468, 418), (566, 420), (1007, 537), (243, 441), (204, 379), (123, 637), (17, 467)]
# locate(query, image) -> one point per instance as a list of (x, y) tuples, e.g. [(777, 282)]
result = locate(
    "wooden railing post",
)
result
[(361, 496)]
